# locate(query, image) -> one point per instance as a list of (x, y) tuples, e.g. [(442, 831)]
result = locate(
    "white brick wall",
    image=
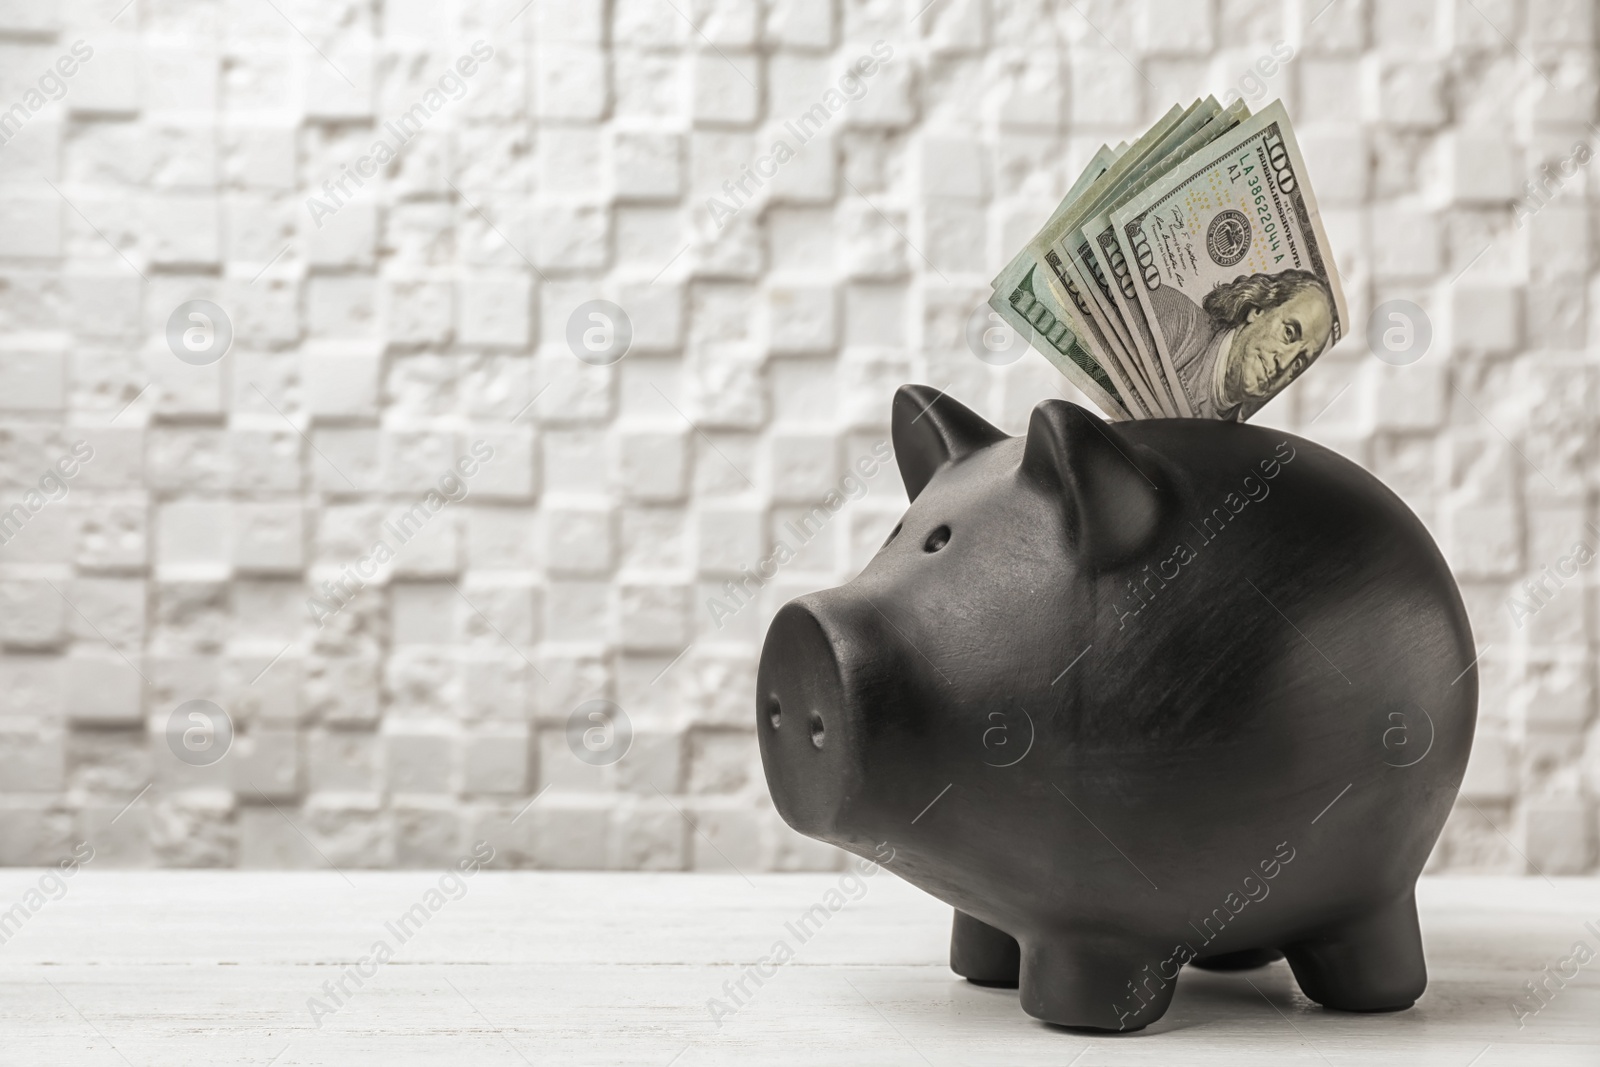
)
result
[(431, 311)]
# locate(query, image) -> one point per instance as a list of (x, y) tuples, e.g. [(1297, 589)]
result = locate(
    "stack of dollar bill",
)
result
[(1184, 275)]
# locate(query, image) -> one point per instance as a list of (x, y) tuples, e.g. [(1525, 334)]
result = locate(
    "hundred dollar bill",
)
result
[(1099, 163), (1077, 278), (1147, 152), (1088, 274), (1030, 309), (1097, 336), (1022, 284), (1099, 237), (1135, 157), (1232, 269), (1067, 290)]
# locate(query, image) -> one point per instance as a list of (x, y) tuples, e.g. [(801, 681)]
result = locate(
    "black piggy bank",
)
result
[(1133, 696)]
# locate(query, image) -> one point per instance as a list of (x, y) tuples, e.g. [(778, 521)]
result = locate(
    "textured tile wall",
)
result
[(390, 316)]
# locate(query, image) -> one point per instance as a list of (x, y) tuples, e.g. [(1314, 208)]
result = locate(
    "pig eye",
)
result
[(937, 539), (892, 535)]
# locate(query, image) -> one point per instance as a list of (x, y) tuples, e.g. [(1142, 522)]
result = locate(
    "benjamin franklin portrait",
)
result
[(1247, 340)]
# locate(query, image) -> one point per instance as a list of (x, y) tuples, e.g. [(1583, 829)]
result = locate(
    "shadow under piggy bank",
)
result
[(1133, 696)]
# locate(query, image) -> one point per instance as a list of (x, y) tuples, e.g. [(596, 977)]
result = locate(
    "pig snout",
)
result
[(809, 687)]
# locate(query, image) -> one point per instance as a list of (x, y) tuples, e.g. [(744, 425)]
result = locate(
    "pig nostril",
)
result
[(937, 539), (774, 712), (816, 729)]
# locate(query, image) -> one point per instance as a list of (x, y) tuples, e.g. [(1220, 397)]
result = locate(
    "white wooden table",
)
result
[(171, 968)]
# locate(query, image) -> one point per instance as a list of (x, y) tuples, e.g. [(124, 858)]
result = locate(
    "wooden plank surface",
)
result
[(174, 968)]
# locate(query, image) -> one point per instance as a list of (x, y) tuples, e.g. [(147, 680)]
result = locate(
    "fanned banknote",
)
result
[(1074, 294), (1233, 270), (1099, 241), (1027, 305), (1084, 272), (1186, 274)]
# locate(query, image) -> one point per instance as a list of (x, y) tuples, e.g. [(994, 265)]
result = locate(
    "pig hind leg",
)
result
[(1094, 983), (983, 955), (1370, 963)]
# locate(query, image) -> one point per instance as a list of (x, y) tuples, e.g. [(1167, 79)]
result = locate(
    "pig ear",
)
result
[(1112, 499), (931, 430)]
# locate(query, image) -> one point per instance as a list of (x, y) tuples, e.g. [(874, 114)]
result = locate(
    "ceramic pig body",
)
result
[(1133, 696)]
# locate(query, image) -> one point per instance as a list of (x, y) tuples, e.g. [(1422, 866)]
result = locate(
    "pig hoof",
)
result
[(1093, 986), (1369, 964), (1129, 1029), (1243, 960), (983, 955), (1376, 1011)]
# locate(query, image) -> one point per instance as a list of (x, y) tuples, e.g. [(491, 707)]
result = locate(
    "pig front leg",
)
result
[(1094, 983), (983, 955), (1371, 963)]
